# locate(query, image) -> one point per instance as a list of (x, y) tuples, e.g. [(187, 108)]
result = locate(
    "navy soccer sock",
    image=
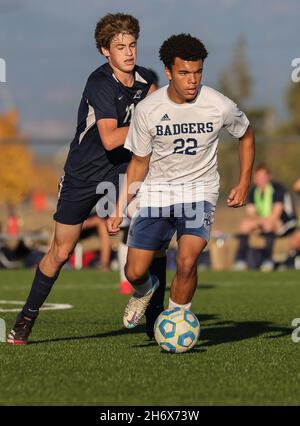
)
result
[(243, 247), (158, 268), (40, 289), (270, 237)]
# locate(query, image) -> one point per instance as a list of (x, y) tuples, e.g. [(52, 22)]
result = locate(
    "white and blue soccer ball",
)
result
[(177, 330)]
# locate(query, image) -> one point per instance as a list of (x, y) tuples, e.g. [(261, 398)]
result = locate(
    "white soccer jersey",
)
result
[(182, 140)]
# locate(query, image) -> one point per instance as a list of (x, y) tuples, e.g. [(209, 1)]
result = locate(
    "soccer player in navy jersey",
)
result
[(96, 155)]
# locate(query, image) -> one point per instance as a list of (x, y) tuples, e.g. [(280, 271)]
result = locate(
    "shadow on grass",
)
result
[(234, 331), (222, 332), (120, 332), (212, 334), (196, 349), (199, 286)]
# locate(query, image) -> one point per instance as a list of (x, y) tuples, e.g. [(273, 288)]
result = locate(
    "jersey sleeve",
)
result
[(235, 121), (139, 138), (100, 94), (146, 74)]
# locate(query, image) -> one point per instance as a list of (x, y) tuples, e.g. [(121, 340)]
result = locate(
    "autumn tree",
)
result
[(15, 161)]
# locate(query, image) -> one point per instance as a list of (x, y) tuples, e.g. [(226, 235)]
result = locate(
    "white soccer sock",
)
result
[(172, 304), (143, 289), (122, 255)]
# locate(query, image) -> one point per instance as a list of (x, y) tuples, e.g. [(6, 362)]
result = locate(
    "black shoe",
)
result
[(22, 328), (151, 316)]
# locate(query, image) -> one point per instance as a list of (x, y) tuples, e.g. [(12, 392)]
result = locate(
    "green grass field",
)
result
[(84, 356)]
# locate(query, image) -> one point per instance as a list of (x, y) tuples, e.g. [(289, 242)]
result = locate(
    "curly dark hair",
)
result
[(182, 46), (113, 24)]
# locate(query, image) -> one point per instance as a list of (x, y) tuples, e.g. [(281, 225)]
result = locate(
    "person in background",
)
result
[(271, 211), (294, 241), (97, 225)]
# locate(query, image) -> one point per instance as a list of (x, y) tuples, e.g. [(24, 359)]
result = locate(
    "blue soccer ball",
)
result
[(177, 330)]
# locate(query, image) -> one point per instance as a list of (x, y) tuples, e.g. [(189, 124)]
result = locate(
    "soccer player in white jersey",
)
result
[(174, 139)]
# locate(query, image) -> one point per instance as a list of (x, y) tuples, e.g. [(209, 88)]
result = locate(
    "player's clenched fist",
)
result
[(238, 196), (113, 225)]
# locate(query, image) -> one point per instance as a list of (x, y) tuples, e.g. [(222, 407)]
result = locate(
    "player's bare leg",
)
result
[(185, 280), (137, 265), (136, 270), (64, 240), (63, 243)]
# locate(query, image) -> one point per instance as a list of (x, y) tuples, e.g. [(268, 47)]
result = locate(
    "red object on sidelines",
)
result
[(12, 225), (38, 201), (125, 287), (16, 342), (87, 258)]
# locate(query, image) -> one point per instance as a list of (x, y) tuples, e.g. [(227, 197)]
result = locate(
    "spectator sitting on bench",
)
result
[(294, 241), (270, 209)]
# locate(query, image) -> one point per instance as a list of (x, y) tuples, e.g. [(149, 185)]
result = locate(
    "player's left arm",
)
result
[(238, 195), (135, 175), (139, 143)]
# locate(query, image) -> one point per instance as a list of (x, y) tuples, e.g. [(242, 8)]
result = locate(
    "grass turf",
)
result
[(84, 356)]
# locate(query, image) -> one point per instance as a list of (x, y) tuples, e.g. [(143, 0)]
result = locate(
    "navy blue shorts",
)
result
[(76, 199), (152, 228)]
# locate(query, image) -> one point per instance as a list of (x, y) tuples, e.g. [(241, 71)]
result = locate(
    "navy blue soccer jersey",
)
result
[(103, 97)]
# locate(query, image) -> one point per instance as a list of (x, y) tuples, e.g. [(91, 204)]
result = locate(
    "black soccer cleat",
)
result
[(21, 331), (151, 316)]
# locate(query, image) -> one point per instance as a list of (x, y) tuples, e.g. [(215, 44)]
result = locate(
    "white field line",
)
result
[(46, 307)]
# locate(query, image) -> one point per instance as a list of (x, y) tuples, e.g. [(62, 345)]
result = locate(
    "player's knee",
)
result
[(133, 273), (130, 273), (186, 265), (61, 254)]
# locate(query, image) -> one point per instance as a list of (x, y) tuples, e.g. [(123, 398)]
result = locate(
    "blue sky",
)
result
[(50, 51)]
